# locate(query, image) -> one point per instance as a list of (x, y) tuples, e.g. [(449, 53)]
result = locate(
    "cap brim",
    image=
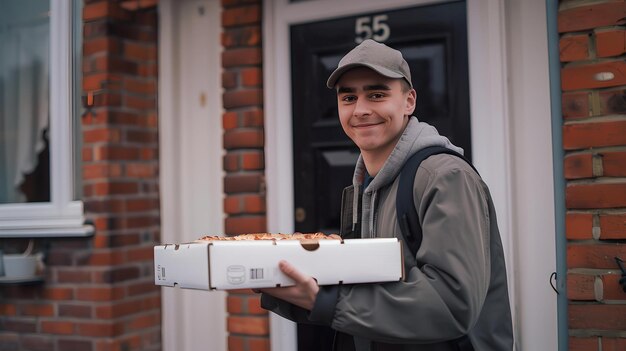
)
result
[(334, 77)]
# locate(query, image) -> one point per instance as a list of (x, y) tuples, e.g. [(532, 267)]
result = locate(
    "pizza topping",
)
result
[(269, 236)]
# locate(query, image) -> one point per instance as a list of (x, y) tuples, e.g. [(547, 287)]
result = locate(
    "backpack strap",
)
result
[(407, 213), (405, 206)]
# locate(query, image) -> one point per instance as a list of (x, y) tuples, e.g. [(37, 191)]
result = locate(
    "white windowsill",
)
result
[(59, 232)]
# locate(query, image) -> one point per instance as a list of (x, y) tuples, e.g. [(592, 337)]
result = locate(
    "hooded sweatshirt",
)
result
[(459, 288)]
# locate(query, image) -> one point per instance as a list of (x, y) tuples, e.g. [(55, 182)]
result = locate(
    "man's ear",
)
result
[(411, 100)]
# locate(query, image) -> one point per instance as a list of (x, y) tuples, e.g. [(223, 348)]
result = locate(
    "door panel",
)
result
[(433, 40)]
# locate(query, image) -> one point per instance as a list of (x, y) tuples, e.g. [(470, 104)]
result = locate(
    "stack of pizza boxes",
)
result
[(238, 264)]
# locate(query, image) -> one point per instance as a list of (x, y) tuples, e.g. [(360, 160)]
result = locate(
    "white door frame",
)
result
[(191, 172), (500, 111)]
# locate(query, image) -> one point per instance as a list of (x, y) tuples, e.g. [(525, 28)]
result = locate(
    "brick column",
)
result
[(244, 184), (99, 292), (594, 138)]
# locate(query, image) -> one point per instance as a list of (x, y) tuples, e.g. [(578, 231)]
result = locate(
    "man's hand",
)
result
[(302, 294)]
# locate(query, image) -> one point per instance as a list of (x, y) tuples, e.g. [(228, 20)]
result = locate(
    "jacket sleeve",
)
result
[(442, 299), (321, 314)]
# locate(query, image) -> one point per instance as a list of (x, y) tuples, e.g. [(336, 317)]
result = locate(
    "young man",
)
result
[(455, 293)]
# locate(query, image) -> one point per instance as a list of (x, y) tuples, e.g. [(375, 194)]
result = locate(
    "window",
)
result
[(40, 76)]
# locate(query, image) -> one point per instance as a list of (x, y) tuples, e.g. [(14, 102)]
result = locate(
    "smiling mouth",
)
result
[(367, 125)]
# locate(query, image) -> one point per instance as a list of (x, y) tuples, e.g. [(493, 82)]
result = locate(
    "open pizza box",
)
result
[(225, 265)]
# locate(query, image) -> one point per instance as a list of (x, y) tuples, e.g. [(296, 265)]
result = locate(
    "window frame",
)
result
[(62, 216)]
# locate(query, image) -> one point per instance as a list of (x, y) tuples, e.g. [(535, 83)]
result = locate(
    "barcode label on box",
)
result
[(256, 273)]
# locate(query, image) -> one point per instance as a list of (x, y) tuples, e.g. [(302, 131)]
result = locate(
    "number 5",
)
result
[(379, 30)]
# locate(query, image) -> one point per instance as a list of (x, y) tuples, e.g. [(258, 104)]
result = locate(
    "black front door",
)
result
[(433, 40)]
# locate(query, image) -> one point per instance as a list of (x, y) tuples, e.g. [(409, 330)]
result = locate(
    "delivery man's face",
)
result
[(373, 109)]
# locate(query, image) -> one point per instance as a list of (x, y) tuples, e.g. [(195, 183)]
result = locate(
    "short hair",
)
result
[(405, 85)]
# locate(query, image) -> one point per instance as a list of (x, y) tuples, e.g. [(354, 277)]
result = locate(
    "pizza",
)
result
[(271, 236)]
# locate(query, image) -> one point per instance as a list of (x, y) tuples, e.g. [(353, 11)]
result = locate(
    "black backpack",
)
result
[(407, 214)]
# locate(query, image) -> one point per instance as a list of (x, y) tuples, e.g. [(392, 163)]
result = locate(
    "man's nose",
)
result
[(361, 108)]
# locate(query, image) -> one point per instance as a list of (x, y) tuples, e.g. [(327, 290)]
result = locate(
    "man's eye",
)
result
[(377, 95), (348, 98)]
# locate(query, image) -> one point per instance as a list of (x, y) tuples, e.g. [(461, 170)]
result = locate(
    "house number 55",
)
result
[(371, 28)]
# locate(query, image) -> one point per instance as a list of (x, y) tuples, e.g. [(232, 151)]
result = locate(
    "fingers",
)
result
[(292, 272)]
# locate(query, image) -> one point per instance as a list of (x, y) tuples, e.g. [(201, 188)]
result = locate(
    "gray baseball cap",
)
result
[(379, 57)]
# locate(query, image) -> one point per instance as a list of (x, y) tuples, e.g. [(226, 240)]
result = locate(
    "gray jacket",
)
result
[(455, 285)]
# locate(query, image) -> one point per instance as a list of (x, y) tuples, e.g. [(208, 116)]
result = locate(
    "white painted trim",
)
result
[(61, 211), (186, 312), (511, 141), (168, 165)]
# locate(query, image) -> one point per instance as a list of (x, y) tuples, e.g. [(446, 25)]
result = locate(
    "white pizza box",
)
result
[(225, 265)]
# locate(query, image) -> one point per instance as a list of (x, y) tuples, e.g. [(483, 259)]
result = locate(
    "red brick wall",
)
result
[(592, 46), (244, 183), (99, 292)]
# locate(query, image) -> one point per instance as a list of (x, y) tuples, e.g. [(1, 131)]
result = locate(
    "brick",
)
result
[(19, 326), (100, 329), (239, 138), (574, 48), (599, 256), (115, 153), (140, 86), (101, 170), (254, 306), (234, 304), (241, 57), (595, 134), (56, 294), (244, 183), (101, 135), (113, 65), (97, 81), (7, 309), (141, 170), (241, 16), (115, 188), (139, 51), (143, 288), (133, 342), (57, 327), (253, 118), (601, 195), (578, 166), (121, 309), (254, 204), (140, 254), (252, 77), (241, 36), (231, 3), (614, 164), (74, 344), (72, 275), (613, 344), (612, 288), (145, 321), (242, 98), (580, 287), (236, 343), (583, 344), (232, 205), (75, 311), (587, 76), (578, 226), (107, 45), (243, 225), (610, 42), (248, 325), (591, 16), (613, 102), (613, 226), (575, 105), (120, 274), (229, 120), (231, 162), (259, 344), (10, 341), (99, 293), (599, 317), (35, 343), (229, 79), (137, 205), (37, 310)]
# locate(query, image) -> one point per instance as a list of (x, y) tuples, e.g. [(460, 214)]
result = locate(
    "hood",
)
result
[(416, 136)]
